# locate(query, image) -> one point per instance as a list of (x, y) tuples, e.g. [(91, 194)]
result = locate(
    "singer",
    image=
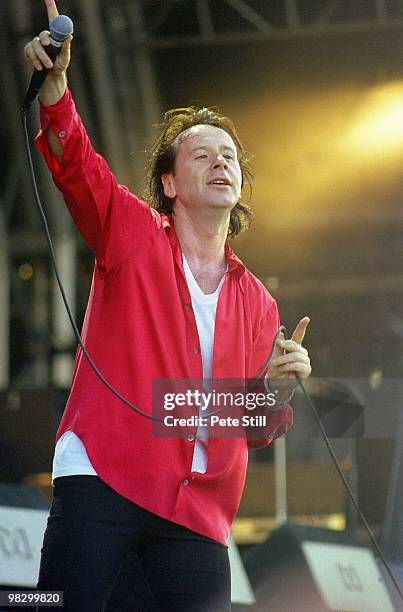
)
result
[(169, 299)]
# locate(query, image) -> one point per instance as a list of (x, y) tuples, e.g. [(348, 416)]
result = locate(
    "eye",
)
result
[(202, 156), (228, 156)]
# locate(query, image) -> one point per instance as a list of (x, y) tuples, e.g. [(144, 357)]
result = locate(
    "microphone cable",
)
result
[(348, 488), (282, 329), (344, 480), (65, 300), (60, 284)]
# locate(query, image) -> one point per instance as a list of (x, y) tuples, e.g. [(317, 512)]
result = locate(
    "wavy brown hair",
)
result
[(161, 160)]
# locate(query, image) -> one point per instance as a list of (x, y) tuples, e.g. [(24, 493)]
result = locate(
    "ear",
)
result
[(168, 185)]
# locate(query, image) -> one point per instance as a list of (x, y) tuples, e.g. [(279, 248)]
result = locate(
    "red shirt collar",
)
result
[(234, 263)]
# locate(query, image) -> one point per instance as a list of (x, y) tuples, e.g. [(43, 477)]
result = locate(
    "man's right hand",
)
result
[(55, 83)]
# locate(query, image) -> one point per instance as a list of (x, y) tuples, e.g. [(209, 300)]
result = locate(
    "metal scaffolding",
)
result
[(237, 21)]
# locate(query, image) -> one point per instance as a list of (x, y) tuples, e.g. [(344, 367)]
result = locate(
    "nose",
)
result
[(220, 161)]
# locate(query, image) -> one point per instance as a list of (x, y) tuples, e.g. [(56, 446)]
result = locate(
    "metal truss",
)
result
[(221, 22)]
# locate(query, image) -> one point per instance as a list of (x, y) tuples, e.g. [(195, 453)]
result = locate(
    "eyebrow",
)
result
[(206, 147)]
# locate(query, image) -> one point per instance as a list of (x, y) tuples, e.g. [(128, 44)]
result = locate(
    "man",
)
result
[(169, 300)]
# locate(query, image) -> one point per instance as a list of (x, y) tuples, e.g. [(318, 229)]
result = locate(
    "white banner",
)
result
[(21, 535), (347, 577)]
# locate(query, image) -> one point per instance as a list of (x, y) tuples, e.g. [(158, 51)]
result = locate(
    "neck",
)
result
[(202, 239)]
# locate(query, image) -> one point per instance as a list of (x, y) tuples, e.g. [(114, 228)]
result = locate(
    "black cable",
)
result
[(67, 306), (347, 486), (282, 329), (59, 282), (253, 383)]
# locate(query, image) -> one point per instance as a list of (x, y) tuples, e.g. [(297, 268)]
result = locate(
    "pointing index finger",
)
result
[(299, 331), (51, 9)]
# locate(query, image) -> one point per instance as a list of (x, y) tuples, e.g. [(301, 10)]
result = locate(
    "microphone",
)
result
[(60, 28)]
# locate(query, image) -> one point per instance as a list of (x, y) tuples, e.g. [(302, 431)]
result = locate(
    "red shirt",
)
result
[(139, 325)]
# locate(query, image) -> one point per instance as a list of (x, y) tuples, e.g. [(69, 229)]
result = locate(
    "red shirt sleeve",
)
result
[(113, 221), (279, 421)]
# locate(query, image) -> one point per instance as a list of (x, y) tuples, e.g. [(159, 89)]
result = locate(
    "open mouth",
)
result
[(220, 183)]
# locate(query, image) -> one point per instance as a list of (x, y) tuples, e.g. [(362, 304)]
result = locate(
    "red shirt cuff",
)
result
[(279, 422), (59, 118)]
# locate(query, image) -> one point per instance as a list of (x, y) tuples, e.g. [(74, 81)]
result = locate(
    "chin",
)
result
[(223, 204)]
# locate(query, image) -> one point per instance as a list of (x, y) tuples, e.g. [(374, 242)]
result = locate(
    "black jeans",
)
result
[(107, 554)]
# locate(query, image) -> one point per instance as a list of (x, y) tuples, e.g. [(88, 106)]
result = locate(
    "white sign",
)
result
[(347, 577), (21, 536)]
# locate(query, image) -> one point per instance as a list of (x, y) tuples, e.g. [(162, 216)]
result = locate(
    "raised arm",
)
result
[(113, 221), (55, 84)]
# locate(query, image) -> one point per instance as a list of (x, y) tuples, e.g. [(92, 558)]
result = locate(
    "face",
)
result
[(207, 172)]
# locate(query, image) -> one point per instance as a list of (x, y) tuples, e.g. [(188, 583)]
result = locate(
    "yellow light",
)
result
[(272, 283), (380, 124), (25, 272), (324, 155), (375, 379)]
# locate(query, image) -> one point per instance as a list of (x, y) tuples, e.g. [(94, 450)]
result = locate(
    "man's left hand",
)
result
[(289, 356)]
